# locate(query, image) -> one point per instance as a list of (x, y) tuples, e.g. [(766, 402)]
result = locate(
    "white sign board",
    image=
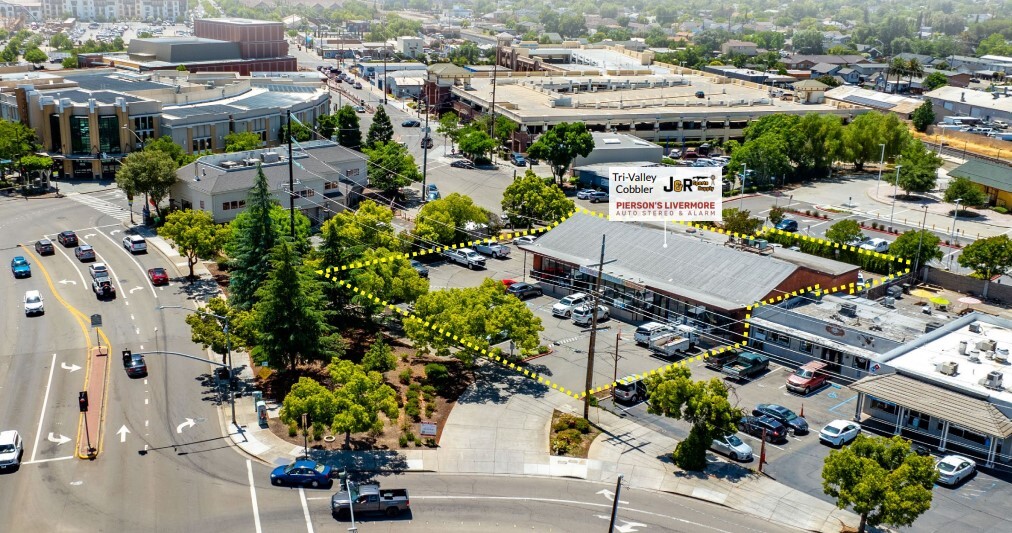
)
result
[(655, 194)]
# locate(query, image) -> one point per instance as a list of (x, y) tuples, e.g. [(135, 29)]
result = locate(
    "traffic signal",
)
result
[(127, 357), (82, 400)]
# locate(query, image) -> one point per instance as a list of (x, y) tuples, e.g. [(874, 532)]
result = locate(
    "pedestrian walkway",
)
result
[(100, 202)]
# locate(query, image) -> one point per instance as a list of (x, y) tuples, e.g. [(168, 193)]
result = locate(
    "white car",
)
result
[(98, 270), (525, 240), (733, 447), (839, 432), (566, 305), (135, 244), (11, 449), (33, 303), (953, 469), (582, 317), (876, 245)]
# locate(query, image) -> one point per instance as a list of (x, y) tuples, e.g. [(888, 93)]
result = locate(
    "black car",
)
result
[(135, 365), (67, 238), (783, 415), (524, 290), (754, 425), (462, 163), (44, 247), (420, 268), (411, 123)]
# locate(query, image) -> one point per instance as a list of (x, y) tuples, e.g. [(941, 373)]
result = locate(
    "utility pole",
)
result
[(425, 149), (920, 241), (614, 505), (291, 175), (593, 334), (618, 337)]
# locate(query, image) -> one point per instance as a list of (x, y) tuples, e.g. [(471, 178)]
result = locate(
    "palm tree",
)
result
[(897, 67), (914, 68)]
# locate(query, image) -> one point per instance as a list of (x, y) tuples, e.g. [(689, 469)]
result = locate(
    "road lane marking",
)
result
[(84, 284), (33, 461), (112, 274), (45, 402), (253, 497), (134, 259), (305, 510)]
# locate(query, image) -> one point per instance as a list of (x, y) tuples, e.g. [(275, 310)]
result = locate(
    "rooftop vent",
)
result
[(269, 157), (848, 309), (975, 327), (251, 161), (986, 345), (1001, 355), (949, 368), (229, 164), (993, 380), (932, 326)]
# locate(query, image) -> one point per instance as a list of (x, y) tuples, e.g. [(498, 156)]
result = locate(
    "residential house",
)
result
[(735, 46), (799, 61), (995, 179), (849, 76), (834, 38), (825, 69)]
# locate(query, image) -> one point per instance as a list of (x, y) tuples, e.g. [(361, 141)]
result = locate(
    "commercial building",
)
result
[(171, 10), (328, 179), (903, 106), (614, 149), (946, 388), (734, 46), (689, 280), (27, 10), (410, 47), (961, 102), (995, 179)]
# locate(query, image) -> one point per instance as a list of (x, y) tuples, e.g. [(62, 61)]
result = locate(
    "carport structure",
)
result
[(949, 418)]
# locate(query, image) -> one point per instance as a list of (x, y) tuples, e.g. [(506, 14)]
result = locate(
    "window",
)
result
[(806, 347), (108, 135), (917, 420), (880, 405), (352, 172), (966, 434), (234, 204), (201, 205), (330, 185), (80, 135)]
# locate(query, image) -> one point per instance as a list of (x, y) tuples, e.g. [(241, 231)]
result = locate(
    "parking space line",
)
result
[(841, 404), (42, 415), (253, 497)]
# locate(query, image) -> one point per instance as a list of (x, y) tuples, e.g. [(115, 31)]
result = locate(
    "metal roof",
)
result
[(220, 110), (985, 173), (80, 96), (706, 272), (113, 82), (971, 413)]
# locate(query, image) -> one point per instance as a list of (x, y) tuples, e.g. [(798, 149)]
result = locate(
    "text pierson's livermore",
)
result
[(657, 194)]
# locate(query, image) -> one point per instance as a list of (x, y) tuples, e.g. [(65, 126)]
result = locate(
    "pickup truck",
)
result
[(493, 249), (680, 341), (103, 287), (718, 360), (465, 256), (747, 365), (370, 499)]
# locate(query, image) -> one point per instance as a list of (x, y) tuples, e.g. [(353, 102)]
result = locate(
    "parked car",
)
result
[(358, 85), (582, 315), (524, 290), (84, 253), (733, 447), (629, 391), (518, 159), (359, 109), (953, 469), (135, 244), (565, 306), (44, 247), (524, 240), (33, 303), (370, 499), (788, 224), (839, 432), (807, 378), (465, 256), (158, 276), (584, 194), (302, 473), (598, 196), (493, 249), (411, 123), (700, 94), (11, 449), (876, 245), (755, 425), (432, 192), (20, 267), (67, 238), (462, 163), (646, 332), (746, 365), (422, 270), (784, 415)]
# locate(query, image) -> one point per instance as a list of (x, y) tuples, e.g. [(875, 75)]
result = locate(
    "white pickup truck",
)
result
[(678, 342), (493, 249), (465, 256)]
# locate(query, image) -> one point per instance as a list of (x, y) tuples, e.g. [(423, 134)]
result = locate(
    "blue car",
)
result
[(20, 267), (302, 473), (788, 224)]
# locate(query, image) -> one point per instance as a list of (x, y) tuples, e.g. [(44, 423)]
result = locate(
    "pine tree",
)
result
[(349, 134), (253, 237), (381, 130)]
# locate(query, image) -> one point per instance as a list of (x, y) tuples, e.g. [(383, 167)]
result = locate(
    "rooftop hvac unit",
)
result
[(974, 356), (962, 347), (975, 327), (895, 291), (761, 244), (889, 301), (251, 161), (932, 326), (986, 345), (229, 164), (949, 368), (270, 157), (992, 380), (848, 309)]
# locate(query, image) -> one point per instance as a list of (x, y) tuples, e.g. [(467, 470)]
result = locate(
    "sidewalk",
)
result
[(502, 426)]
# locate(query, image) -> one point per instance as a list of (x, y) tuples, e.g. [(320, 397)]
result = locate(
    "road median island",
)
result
[(92, 422)]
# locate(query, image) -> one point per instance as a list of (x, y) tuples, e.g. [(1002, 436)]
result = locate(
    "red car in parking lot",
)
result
[(158, 276)]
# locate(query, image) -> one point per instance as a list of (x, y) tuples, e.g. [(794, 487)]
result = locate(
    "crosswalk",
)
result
[(101, 203)]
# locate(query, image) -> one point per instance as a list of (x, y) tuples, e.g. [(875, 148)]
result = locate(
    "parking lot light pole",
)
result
[(896, 185), (952, 232), (228, 350), (920, 241), (744, 176), (881, 163)]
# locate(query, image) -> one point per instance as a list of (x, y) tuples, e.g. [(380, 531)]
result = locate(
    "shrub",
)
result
[(293, 429), (413, 409), (379, 358), (563, 423), (1000, 210), (429, 409), (403, 441), (428, 389), (415, 388), (593, 401), (582, 425), (568, 440), (405, 376), (874, 225), (410, 436), (543, 349), (317, 431), (430, 442), (436, 375)]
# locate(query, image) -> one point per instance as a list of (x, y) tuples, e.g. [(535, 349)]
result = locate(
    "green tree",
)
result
[(391, 280), (361, 397), (821, 140), (327, 125), (289, 312), (60, 41), (379, 358), (560, 145), (919, 169), (530, 199), (242, 141), (209, 331), (381, 130), (919, 246), (844, 231), (766, 156), (449, 126), (776, 214), (862, 139), (881, 479), (989, 257), (312, 399), (994, 44), (898, 68), (193, 233), (479, 316), (149, 171), (16, 140), (467, 53), (703, 404), (740, 221), (253, 237), (175, 152), (300, 132), (807, 42), (41, 164), (923, 116), (349, 134), (391, 167), (70, 62), (475, 143), (970, 194), (934, 81), (828, 80), (34, 55), (441, 221)]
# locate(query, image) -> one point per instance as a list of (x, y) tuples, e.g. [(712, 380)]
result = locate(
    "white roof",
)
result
[(973, 97)]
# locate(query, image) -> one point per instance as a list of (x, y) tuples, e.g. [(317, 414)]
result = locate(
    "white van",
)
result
[(648, 331)]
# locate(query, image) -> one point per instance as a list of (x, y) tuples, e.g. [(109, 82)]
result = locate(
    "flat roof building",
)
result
[(961, 102)]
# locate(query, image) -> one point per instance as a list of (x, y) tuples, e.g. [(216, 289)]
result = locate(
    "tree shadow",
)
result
[(494, 383), (359, 463), (721, 470)]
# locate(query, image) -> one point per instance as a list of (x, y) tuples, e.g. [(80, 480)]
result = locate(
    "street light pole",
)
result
[(744, 176), (895, 186), (881, 163), (425, 149), (920, 241), (952, 232), (614, 505)]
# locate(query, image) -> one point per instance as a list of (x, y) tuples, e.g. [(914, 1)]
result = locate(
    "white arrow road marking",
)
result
[(189, 423), (113, 232), (628, 527), (136, 289), (90, 235), (72, 367), (66, 281), (123, 433), (58, 441), (610, 496)]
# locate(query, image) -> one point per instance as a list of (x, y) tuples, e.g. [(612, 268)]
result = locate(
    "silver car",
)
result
[(733, 447)]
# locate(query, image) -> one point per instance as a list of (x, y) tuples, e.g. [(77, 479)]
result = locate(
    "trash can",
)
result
[(262, 413)]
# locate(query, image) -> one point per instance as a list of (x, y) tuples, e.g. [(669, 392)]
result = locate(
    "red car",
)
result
[(158, 276)]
